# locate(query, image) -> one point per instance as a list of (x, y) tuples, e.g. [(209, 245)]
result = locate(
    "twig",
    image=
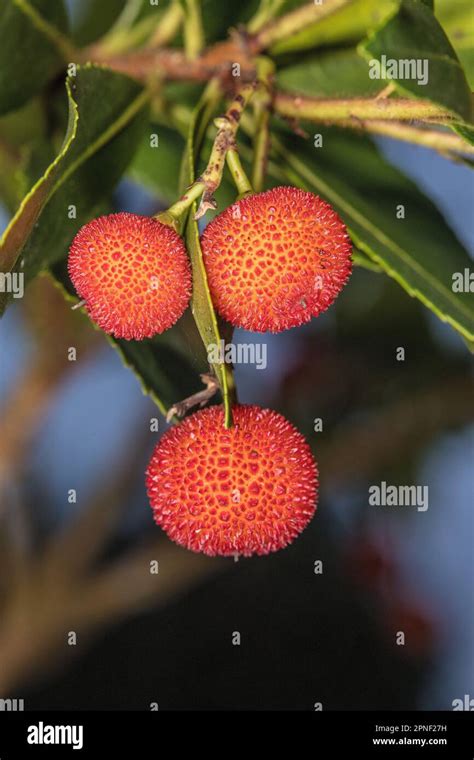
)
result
[(197, 399), (172, 64), (333, 110), (224, 144), (386, 91)]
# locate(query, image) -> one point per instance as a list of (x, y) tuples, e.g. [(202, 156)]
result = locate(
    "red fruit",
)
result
[(247, 490), (133, 273), (276, 259)]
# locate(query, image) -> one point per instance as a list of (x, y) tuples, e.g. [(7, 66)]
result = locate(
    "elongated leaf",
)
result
[(413, 34), (32, 48), (97, 147), (457, 20), (201, 302), (466, 131), (419, 251)]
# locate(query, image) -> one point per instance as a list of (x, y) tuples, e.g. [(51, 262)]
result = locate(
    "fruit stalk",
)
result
[(200, 398), (224, 146), (237, 171)]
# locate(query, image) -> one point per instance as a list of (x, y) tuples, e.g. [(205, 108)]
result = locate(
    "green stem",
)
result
[(193, 30), (339, 109), (168, 25), (237, 171), (262, 107), (128, 16), (150, 32), (264, 14), (224, 142), (295, 21), (123, 40), (184, 203)]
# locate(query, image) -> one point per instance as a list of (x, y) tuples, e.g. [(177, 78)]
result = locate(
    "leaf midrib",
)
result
[(52, 33), (125, 117)]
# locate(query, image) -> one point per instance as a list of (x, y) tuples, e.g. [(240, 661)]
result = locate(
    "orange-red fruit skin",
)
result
[(133, 273), (250, 489), (276, 259)]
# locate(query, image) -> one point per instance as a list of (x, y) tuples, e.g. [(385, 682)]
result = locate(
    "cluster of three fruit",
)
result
[(273, 260)]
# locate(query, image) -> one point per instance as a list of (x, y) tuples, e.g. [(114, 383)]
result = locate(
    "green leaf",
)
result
[(33, 47), (457, 20), (91, 19), (218, 17), (413, 33), (341, 73), (201, 302), (466, 131), (347, 25), (161, 364), (98, 144), (22, 127), (163, 372), (157, 167), (420, 252)]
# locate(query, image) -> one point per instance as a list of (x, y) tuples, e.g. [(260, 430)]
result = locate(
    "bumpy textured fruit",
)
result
[(133, 274), (276, 259), (247, 490)]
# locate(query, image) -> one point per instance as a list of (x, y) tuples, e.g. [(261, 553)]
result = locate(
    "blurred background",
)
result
[(86, 624), (306, 637)]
